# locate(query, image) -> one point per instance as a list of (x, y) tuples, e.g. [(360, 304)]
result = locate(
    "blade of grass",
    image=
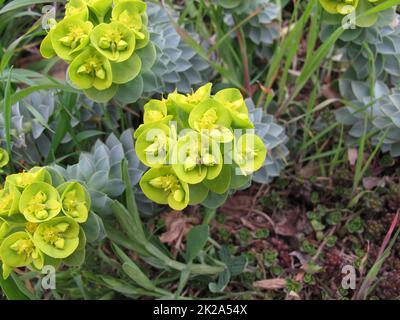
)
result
[(384, 252), (7, 113)]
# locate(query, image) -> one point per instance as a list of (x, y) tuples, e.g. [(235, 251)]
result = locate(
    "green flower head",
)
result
[(77, 8), (233, 101), (4, 158), (249, 153), (210, 117), (39, 202), (340, 6), (154, 110), (75, 201), (46, 46), (70, 36), (188, 102), (57, 238), (99, 7), (152, 146), (145, 126), (9, 200), (196, 157), (114, 40), (19, 250), (24, 179), (129, 13), (91, 69), (162, 186)]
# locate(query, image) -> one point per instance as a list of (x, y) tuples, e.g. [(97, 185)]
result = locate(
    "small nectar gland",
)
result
[(122, 45), (179, 195), (42, 214), (59, 243), (104, 43), (100, 73), (74, 214), (62, 227)]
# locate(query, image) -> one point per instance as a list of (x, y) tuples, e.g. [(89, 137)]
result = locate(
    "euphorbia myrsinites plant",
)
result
[(190, 142), (40, 221), (99, 39)]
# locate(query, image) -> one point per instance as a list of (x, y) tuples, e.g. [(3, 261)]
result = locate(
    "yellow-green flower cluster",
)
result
[(342, 6), (98, 38), (195, 144), (39, 223)]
